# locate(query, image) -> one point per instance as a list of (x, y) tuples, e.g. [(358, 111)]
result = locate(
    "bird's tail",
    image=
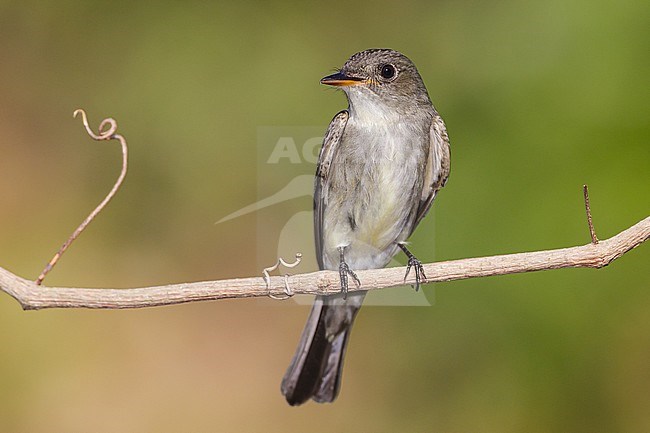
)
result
[(316, 368)]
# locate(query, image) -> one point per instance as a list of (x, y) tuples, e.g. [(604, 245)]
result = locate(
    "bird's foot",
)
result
[(344, 272), (414, 263)]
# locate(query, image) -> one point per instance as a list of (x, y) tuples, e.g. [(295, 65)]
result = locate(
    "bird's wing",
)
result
[(325, 158), (437, 166)]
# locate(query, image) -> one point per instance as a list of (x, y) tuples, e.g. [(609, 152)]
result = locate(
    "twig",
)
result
[(108, 134), (592, 231), (31, 297)]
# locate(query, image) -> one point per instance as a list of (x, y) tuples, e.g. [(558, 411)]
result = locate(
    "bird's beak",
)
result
[(341, 79)]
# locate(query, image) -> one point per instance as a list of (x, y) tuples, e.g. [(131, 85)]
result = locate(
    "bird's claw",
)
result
[(419, 272), (413, 263), (344, 271)]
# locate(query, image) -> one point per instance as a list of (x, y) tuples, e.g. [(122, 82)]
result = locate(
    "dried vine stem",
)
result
[(590, 223), (30, 296), (102, 135)]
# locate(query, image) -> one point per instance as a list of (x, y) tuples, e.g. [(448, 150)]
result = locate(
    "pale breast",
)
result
[(375, 185)]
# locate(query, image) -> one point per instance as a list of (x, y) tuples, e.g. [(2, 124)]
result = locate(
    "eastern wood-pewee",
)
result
[(382, 162)]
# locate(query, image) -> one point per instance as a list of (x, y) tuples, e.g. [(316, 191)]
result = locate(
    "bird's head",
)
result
[(381, 76)]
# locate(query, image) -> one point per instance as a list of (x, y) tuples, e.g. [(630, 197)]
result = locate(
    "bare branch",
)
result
[(108, 134), (31, 297)]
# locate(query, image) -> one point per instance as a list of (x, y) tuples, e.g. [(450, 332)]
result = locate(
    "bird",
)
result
[(381, 164)]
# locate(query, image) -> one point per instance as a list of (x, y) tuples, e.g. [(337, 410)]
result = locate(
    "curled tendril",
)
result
[(267, 278), (103, 134)]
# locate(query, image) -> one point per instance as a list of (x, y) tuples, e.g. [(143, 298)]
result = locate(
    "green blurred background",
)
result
[(539, 98)]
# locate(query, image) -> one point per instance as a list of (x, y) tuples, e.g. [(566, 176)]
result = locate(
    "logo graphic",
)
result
[(286, 163)]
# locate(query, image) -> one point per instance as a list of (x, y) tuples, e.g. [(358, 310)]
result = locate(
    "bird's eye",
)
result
[(388, 71)]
